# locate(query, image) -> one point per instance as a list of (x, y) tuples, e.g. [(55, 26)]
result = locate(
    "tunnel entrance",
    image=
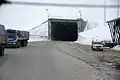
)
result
[(63, 30)]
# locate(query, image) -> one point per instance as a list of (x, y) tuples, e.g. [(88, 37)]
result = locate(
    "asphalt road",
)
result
[(43, 61)]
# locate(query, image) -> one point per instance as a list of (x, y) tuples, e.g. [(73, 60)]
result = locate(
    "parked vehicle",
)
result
[(97, 46), (17, 38), (109, 44), (3, 39)]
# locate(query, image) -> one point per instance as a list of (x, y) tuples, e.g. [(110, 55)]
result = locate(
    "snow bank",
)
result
[(39, 33), (41, 30), (83, 40), (117, 48), (94, 33), (90, 25), (37, 38)]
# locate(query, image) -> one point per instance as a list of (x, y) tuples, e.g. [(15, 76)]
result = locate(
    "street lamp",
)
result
[(47, 12), (80, 22), (80, 14)]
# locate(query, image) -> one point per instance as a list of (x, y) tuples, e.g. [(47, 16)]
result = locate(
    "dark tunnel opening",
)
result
[(64, 31)]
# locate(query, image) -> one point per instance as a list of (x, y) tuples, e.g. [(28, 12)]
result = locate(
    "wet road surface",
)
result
[(43, 61)]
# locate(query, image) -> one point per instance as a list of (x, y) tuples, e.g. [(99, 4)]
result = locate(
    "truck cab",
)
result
[(16, 38), (12, 38), (3, 39)]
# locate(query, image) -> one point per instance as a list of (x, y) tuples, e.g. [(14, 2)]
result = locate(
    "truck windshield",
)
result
[(12, 34)]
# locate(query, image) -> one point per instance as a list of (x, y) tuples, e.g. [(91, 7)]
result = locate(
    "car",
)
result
[(98, 46), (108, 44)]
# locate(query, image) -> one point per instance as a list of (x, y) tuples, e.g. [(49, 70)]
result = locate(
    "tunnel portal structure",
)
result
[(114, 26), (64, 29)]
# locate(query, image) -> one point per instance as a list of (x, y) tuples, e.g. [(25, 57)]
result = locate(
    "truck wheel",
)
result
[(18, 45), (25, 43), (92, 48), (1, 51), (111, 46), (101, 49)]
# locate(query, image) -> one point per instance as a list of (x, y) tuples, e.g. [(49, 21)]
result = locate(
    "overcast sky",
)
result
[(27, 17)]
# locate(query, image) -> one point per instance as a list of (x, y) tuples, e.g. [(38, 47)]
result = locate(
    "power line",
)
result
[(38, 25), (64, 5)]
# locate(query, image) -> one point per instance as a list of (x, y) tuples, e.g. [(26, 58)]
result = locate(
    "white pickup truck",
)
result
[(97, 46)]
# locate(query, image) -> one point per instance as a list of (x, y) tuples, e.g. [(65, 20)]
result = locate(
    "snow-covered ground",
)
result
[(83, 40), (88, 35), (117, 48), (37, 38), (39, 33), (41, 30)]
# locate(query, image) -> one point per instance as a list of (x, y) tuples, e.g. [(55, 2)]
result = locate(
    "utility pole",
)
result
[(80, 22), (105, 13), (118, 8)]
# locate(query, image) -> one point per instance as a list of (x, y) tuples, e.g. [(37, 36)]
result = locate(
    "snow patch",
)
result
[(117, 48), (37, 38), (86, 37), (90, 25), (39, 33), (41, 30), (83, 40)]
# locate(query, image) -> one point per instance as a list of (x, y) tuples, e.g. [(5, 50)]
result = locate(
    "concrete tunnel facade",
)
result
[(63, 29)]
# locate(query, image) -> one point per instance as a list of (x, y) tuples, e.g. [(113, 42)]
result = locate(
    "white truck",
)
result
[(97, 46)]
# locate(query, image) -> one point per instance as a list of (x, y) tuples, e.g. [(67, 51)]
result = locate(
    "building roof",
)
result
[(113, 20)]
